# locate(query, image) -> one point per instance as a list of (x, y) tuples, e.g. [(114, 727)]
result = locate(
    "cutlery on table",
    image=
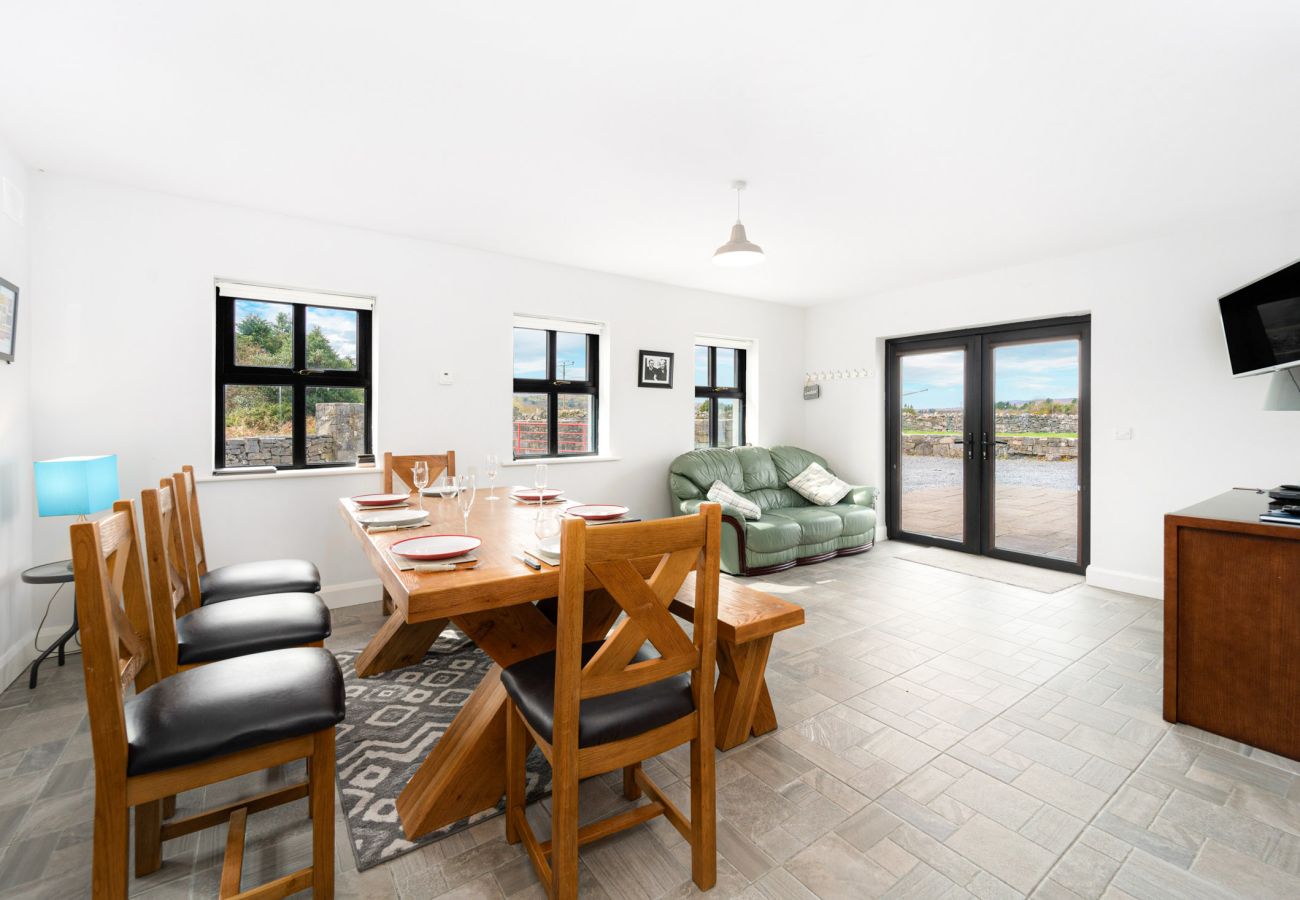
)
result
[(539, 559), (445, 567), (372, 529), (532, 564)]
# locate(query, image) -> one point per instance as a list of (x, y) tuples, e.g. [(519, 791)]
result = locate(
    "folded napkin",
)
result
[(375, 529)]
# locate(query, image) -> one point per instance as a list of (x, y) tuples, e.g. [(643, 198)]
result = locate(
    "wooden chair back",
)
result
[(195, 557), (401, 466), (117, 639), (169, 584), (683, 544)]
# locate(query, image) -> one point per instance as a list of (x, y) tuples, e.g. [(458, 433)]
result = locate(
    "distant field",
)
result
[(1040, 434)]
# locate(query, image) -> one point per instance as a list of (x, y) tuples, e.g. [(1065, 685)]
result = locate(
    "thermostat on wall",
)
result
[(444, 378)]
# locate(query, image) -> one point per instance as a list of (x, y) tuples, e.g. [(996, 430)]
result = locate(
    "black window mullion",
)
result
[(296, 377)]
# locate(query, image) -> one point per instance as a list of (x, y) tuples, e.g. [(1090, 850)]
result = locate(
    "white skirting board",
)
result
[(1126, 582), (14, 660), (351, 593)]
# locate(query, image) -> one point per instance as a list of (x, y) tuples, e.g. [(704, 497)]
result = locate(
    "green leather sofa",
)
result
[(791, 530)]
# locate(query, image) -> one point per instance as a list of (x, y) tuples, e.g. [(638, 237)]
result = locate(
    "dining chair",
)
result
[(249, 579), (235, 627), (606, 705), (196, 728), (401, 466)]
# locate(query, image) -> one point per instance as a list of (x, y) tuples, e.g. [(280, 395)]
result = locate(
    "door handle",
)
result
[(970, 444), (987, 443)]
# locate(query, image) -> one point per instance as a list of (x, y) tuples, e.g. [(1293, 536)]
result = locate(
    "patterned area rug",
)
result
[(394, 720)]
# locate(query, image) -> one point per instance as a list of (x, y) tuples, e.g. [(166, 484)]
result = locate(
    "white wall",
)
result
[(16, 509), (126, 348), (1159, 365)]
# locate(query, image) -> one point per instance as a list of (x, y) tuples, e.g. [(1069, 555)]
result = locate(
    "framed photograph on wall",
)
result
[(655, 369), (8, 319)]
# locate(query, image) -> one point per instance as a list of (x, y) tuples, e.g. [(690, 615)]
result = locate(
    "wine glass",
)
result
[(491, 466), (420, 478), (539, 481), (465, 490), (546, 525)]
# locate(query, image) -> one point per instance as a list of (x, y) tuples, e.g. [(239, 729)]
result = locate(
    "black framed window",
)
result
[(556, 394), (719, 396), (293, 385)]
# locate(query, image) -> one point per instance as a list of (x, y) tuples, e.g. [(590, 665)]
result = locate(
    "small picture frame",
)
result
[(655, 369), (8, 319)]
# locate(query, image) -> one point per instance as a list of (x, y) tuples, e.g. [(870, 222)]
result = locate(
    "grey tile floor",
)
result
[(941, 736)]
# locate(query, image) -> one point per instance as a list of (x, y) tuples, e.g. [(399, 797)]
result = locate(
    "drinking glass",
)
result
[(539, 481), (491, 466), (547, 525), (465, 490), (420, 477)]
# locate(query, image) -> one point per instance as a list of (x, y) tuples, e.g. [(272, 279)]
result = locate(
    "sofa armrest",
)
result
[(863, 496), (691, 507)]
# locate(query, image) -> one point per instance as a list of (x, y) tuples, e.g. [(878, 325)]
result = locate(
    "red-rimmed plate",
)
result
[(379, 499), (436, 546), (597, 512), (535, 494)]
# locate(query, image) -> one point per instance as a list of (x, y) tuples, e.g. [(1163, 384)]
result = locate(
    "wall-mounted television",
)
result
[(1262, 323)]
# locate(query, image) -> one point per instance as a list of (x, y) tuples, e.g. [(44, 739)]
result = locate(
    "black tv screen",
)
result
[(1262, 323)]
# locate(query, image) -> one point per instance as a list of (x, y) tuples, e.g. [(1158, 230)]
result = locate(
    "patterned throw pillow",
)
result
[(818, 486), (720, 493)]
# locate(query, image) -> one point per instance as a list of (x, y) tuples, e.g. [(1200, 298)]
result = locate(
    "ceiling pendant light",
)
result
[(739, 251)]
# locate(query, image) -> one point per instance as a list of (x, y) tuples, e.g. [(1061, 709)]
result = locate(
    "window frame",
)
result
[(297, 376), (553, 387), (710, 392)]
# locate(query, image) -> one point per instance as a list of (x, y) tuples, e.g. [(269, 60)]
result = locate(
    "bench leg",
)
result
[(743, 703)]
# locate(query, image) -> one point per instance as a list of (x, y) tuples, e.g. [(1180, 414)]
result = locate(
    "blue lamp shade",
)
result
[(76, 485)]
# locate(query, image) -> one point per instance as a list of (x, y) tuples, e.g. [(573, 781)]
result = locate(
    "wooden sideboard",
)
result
[(1232, 622)]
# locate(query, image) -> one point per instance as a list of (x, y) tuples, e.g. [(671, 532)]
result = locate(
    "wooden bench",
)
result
[(747, 620)]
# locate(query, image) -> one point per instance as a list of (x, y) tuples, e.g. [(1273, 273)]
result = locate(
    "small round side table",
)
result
[(52, 573)]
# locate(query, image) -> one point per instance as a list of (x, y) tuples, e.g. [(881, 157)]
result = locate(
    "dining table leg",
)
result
[(398, 643), (465, 771)]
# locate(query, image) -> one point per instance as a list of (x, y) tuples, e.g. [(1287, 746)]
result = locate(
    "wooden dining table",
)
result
[(494, 604)]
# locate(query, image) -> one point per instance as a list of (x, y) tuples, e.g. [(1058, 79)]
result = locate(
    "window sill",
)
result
[(559, 460), (292, 473)]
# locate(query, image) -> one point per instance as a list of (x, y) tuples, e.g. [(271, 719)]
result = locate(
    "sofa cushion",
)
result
[(758, 468), (857, 519), (692, 474), (776, 498), (790, 461), (819, 486), (733, 502), (816, 523), (772, 535)]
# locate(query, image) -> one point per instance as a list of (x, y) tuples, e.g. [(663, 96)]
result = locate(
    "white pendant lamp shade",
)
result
[(740, 250)]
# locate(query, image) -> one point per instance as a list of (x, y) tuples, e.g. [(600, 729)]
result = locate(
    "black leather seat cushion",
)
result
[(250, 625), (232, 705), (254, 579), (614, 717)]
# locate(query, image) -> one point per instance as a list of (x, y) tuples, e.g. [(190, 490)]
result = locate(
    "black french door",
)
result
[(988, 441)]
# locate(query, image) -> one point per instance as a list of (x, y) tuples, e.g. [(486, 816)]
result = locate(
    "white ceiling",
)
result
[(885, 142)]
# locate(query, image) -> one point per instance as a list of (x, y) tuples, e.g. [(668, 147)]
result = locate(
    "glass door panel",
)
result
[(931, 453), (1032, 454)]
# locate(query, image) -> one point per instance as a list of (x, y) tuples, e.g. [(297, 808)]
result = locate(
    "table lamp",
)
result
[(76, 485)]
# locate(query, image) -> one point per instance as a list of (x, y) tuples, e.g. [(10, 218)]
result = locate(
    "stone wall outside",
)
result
[(340, 436), (944, 445), (1006, 423)]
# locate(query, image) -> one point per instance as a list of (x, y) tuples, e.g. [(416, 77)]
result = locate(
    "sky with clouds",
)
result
[(338, 325), (1022, 371)]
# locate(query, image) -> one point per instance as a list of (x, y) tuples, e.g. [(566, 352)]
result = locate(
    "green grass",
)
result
[(1040, 434)]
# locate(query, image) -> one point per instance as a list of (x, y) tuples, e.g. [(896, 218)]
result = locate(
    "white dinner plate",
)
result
[(396, 517), (597, 512), (436, 546), (549, 549), (374, 500), (532, 495)]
